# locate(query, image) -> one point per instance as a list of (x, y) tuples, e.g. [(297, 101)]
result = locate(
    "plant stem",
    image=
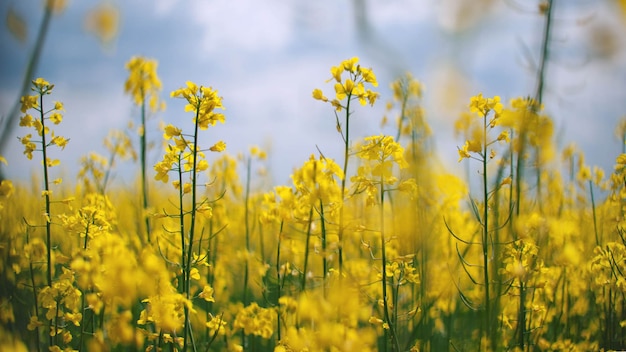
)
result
[(279, 286), (324, 254), (192, 226), (389, 333), (46, 188), (593, 209), (181, 215), (247, 229), (346, 156), (485, 236), (144, 181), (306, 249), (32, 281)]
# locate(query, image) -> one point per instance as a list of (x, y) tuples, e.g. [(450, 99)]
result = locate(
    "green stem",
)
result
[(405, 99), (192, 227), (48, 217), (593, 209), (144, 181), (181, 216), (306, 249), (46, 188), (107, 174), (522, 309), (541, 74), (324, 254), (346, 156), (389, 333), (247, 231), (32, 281), (485, 236), (279, 286)]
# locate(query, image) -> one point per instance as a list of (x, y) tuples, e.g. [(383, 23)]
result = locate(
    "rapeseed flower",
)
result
[(143, 83)]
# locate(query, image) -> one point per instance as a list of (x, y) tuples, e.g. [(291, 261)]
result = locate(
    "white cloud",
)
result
[(246, 25)]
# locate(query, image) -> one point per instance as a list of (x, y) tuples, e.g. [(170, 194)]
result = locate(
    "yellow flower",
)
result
[(194, 274), (171, 131), (202, 165), (52, 162), (257, 152), (483, 106), (504, 136), (56, 118), (26, 121), (336, 71), (344, 90), (368, 76), (205, 210), (6, 188), (42, 86), (75, 318), (349, 65), (207, 294), (34, 323), (464, 151), (103, 21), (60, 141), (218, 147), (29, 102), (319, 95), (202, 101), (143, 84)]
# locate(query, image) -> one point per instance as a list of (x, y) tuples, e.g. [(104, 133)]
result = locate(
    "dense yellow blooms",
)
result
[(251, 266)]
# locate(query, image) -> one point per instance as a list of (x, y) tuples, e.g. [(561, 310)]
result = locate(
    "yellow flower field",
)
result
[(383, 250)]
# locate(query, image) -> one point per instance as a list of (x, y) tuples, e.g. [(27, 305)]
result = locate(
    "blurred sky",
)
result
[(265, 58)]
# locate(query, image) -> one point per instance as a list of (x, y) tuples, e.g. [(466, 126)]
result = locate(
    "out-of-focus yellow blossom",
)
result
[(255, 320), (217, 325), (218, 147), (464, 152), (207, 294), (143, 83), (483, 106), (103, 21), (60, 141), (56, 118), (319, 95)]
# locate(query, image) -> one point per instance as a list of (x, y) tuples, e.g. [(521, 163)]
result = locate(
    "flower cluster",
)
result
[(35, 102), (353, 87)]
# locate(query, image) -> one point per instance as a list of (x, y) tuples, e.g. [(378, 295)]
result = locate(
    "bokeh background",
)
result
[(265, 58)]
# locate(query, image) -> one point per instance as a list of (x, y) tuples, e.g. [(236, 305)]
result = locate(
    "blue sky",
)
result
[(265, 58)]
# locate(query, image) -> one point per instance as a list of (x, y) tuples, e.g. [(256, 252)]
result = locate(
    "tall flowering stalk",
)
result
[(352, 88), (255, 153), (478, 148), (317, 190), (376, 178), (144, 85), (184, 157), (39, 123)]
